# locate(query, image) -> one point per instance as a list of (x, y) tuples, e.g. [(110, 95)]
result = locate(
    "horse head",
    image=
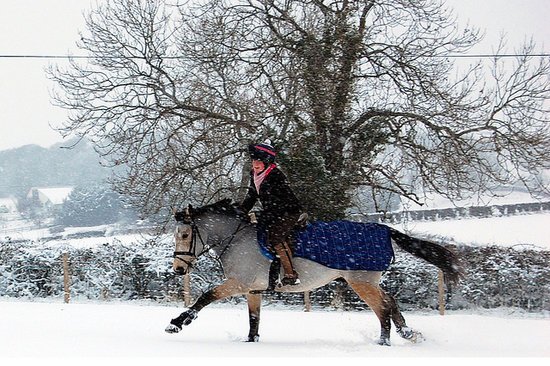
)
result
[(194, 227), (184, 254)]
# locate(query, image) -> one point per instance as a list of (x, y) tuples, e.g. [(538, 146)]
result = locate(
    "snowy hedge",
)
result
[(106, 271), (494, 277)]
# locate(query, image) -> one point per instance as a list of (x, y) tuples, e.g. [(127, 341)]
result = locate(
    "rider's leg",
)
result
[(280, 232), (285, 255)]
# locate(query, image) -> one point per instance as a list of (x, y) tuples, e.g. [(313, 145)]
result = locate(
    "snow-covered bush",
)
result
[(493, 277), (140, 271), (27, 271), (497, 276)]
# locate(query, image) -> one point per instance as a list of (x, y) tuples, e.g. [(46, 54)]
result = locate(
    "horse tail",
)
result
[(433, 253)]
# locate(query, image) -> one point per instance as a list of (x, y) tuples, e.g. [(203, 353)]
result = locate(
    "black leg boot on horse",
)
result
[(284, 253)]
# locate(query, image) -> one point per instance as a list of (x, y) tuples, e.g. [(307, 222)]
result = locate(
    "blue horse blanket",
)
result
[(345, 245)]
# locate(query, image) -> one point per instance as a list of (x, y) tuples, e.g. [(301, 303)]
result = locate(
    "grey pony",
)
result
[(218, 229)]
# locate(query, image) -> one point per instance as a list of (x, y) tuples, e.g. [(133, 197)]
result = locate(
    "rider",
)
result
[(281, 209)]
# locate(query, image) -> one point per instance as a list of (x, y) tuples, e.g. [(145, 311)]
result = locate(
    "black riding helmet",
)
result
[(262, 152)]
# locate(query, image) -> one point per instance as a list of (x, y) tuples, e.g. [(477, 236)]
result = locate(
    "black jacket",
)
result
[(275, 195)]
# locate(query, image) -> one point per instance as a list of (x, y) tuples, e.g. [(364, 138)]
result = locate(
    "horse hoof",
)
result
[(172, 329), (185, 318), (384, 342), (410, 335), (417, 337), (253, 339)]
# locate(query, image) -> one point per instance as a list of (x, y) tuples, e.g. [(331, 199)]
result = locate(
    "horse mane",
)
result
[(224, 206)]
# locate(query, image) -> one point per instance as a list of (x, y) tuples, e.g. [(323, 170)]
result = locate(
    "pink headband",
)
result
[(270, 152)]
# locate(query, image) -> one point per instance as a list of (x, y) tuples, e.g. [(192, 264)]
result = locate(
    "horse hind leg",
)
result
[(375, 298), (399, 321)]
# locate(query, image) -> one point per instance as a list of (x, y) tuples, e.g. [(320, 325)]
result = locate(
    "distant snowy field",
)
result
[(83, 330), (530, 230)]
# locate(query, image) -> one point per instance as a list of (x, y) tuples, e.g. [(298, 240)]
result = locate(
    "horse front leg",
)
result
[(229, 288), (254, 306)]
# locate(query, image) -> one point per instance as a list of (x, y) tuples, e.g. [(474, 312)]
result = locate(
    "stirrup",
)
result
[(291, 280), (302, 221)]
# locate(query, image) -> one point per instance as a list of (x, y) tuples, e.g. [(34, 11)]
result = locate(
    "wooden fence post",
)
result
[(187, 290), (307, 301), (66, 278), (441, 290)]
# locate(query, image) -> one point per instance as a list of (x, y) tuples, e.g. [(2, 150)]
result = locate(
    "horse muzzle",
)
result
[(183, 262), (180, 270)]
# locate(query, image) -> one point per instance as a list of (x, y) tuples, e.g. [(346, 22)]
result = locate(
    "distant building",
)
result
[(8, 205), (49, 197)]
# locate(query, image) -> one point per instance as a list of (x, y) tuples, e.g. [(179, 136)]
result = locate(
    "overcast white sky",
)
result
[(50, 27)]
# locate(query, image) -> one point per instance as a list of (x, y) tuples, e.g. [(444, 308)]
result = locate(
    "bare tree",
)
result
[(139, 99), (354, 93)]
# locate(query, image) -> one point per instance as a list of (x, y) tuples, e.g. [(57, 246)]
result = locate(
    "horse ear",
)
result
[(173, 210)]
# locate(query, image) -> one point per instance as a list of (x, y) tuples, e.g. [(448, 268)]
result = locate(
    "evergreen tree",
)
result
[(90, 206)]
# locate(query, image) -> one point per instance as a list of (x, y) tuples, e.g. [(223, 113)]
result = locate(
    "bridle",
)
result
[(186, 218)]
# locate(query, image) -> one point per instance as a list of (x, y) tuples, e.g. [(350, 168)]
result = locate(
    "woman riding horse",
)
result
[(281, 208), (218, 229)]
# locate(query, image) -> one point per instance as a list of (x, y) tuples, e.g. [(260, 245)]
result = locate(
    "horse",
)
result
[(220, 230)]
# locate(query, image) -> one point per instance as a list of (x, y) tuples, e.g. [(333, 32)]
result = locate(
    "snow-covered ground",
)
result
[(83, 330), (136, 330)]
